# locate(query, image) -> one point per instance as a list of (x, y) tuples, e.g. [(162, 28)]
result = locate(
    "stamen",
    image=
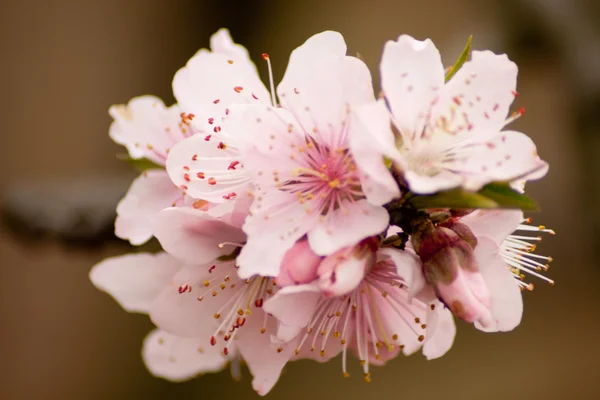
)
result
[(266, 57), (223, 244)]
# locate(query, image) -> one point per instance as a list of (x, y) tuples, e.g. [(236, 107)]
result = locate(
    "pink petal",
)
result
[(208, 168), (135, 280), (507, 302), (480, 93), (264, 359), (324, 94), (424, 184), (178, 359), (441, 322), (401, 319), (285, 333), (347, 226), (408, 266), (222, 43), (508, 156), (272, 148), (299, 265), (212, 81), (193, 236), (294, 305), (322, 45), (494, 224), (150, 193), (273, 228), (411, 76), (369, 144), (342, 272), (186, 307), (146, 127)]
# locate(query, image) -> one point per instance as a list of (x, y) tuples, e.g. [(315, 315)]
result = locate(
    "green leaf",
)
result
[(455, 198), (507, 197), (464, 56), (141, 164), (492, 195)]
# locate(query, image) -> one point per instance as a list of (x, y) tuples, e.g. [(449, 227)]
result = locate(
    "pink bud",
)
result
[(342, 272), (450, 266), (299, 265)]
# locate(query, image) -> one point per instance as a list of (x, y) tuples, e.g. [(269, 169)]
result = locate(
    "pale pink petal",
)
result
[(135, 280), (411, 76), (274, 146), (150, 193), (424, 184), (294, 305), (193, 236), (299, 265), (212, 81), (265, 359), (347, 226), (178, 359), (322, 45), (494, 224), (222, 43), (187, 307), (468, 296), (146, 127), (403, 320), (342, 272), (474, 104), (506, 157), (506, 299), (273, 228), (370, 140), (441, 322), (408, 266), (207, 167), (286, 333), (323, 95)]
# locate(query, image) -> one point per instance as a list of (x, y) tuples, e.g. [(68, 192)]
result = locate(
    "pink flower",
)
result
[(148, 130), (447, 134), (298, 156), (517, 250), (472, 263), (388, 312), (135, 281), (208, 165), (208, 299)]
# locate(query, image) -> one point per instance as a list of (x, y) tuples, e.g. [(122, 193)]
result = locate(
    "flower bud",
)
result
[(342, 272), (299, 265), (450, 266)]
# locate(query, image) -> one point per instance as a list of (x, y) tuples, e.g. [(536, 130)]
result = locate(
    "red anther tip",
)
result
[(265, 56), (515, 93), (521, 111)]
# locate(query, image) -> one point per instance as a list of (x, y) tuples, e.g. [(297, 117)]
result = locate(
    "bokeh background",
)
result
[(63, 63)]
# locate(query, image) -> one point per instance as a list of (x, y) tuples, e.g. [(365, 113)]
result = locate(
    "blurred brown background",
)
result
[(65, 62)]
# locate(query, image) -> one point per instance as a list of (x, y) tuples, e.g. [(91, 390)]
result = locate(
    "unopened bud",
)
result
[(450, 267), (299, 265), (342, 272)]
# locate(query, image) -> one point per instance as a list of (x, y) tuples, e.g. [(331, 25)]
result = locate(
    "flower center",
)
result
[(325, 178), (363, 318), (244, 297)]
